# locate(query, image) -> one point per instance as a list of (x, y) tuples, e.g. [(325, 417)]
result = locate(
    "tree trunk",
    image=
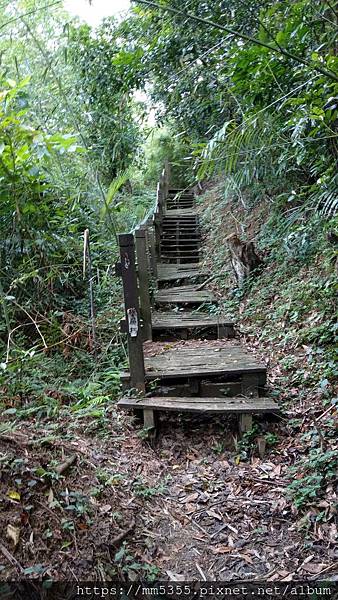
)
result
[(243, 257)]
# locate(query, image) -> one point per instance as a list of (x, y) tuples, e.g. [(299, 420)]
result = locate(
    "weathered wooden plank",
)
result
[(182, 222), (164, 267), (178, 216), (181, 212), (179, 252), (180, 198), (179, 205), (168, 247), (176, 275), (234, 405), (170, 238), (204, 360), (185, 226), (183, 275), (180, 241), (184, 297), (197, 364), (172, 320), (188, 371)]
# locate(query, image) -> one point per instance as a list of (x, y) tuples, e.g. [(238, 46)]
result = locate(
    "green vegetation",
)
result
[(245, 98)]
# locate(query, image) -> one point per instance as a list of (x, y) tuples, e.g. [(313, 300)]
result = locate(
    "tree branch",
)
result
[(243, 36)]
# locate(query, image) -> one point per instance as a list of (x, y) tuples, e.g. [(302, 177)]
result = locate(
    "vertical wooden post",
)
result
[(160, 199), (167, 175), (245, 423), (157, 226), (132, 311), (158, 218), (143, 280), (250, 389), (152, 247)]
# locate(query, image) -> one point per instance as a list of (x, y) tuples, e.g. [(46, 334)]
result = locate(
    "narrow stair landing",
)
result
[(187, 294), (189, 324), (215, 360), (181, 356), (177, 272)]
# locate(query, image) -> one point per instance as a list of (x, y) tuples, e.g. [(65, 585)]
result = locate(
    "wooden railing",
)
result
[(139, 253)]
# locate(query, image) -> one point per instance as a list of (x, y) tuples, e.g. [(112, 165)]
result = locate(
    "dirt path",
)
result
[(219, 520), (188, 506)]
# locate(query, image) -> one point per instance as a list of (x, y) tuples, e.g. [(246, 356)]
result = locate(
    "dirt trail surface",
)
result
[(186, 507)]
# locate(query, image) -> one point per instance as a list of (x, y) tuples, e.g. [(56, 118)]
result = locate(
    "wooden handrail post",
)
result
[(152, 249), (158, 217), (132, 311), (167, 175), (143, 280), (163, 186), (160, 201)]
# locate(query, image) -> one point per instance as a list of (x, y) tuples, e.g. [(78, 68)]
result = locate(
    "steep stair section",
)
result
[(192, 368)]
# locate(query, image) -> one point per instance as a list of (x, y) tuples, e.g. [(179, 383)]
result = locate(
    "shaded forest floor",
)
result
[(198, 503), (188, 506)]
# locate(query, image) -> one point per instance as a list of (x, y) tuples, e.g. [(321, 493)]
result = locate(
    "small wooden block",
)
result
[(250, 383), (225, 331), (245, 423), (150, 421)]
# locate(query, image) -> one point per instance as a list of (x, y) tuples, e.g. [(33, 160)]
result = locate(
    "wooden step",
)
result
[(184, 296), (180, 198), (180, 194), (186, 324), (172, 236), (184, 215), (188, 222), (182, 320), (212, 359), (181, 212), (180, 224), (188, 202), (234, 405), (178, 251), (180, 260), (169, 272), (184, 244), (241, 406), (180, 202)]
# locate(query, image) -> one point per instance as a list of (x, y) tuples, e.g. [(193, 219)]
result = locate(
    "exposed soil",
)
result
[(187, 505), (193, 505)]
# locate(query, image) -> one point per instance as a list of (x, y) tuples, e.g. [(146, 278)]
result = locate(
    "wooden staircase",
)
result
[(182, 358)]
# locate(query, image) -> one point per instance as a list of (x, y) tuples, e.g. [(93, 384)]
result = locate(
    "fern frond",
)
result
[(113, 189)]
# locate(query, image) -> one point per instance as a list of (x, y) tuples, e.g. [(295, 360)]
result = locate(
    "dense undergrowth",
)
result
[(246, 106), (288, 313)]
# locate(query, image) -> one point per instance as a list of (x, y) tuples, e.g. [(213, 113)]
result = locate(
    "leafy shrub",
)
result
[(312, 475)]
